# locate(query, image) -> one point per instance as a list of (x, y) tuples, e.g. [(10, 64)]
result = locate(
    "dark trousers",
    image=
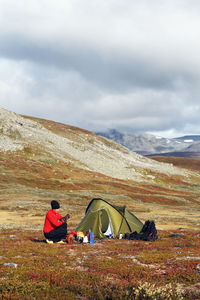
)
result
[(57, 234)]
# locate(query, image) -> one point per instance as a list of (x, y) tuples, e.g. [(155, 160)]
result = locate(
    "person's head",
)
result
[(55, 205)]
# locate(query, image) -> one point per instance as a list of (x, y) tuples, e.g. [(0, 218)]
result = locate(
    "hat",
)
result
[(55, 204)]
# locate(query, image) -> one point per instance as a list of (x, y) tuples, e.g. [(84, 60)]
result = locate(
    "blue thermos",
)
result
[(91, 237)]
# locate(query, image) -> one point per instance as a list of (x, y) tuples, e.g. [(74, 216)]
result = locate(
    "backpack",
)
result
[(147, 233)]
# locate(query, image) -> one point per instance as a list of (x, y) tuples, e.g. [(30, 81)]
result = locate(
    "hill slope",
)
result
[(81, 148)]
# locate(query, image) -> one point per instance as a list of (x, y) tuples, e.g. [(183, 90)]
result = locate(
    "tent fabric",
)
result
[(103, 218)]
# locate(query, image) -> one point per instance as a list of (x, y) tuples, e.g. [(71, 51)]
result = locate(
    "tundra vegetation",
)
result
[(168, 268)]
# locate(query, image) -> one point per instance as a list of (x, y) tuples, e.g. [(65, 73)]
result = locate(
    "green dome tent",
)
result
[(105, 219)]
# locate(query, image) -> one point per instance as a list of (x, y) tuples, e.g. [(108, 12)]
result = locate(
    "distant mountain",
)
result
[(195, 147), (148, 144), (189, 138)]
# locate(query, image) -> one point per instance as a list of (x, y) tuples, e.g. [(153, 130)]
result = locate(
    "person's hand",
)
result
[(65, 218)]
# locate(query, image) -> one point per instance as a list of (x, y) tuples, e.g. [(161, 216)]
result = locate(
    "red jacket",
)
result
[(52, 220)]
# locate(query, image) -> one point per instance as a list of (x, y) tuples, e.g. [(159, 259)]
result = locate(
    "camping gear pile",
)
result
[(147, 233), (80, 237), (104, 220)]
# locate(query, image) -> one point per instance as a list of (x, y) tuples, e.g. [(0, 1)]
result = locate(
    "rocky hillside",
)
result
[(78, 147), (147, 144), (194, 147)]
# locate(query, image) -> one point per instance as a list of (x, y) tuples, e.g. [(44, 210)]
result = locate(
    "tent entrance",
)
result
[(106, 226)]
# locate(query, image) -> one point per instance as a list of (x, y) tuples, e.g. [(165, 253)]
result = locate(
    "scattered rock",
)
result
[(192, 291), (177, 234), (198, 268), (178, 246), (135, 260), (189, 258), (12, 265)]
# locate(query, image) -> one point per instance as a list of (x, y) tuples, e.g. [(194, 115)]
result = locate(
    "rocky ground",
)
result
[(82, 149)]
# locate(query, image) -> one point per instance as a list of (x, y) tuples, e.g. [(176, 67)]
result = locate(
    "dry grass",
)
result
[(187, 163)]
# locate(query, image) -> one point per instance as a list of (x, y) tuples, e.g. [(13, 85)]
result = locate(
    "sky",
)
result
[(124, 64)]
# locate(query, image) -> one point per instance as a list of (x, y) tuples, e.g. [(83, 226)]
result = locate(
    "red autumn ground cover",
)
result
[(110, 269)]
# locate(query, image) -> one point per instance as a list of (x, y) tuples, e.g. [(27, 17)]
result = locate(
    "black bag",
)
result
[(147, 233)]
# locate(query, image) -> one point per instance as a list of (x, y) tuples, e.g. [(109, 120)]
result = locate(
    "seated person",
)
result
[(55, 226)]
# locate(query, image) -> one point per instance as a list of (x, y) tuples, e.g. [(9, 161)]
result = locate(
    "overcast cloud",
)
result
[(125, 64)]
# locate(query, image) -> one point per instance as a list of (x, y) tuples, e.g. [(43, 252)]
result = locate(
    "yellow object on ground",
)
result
[(80, 234), (49, 242)]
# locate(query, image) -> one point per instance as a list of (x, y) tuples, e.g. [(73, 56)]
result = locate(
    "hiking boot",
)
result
[(49, 242), (60, 242)]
